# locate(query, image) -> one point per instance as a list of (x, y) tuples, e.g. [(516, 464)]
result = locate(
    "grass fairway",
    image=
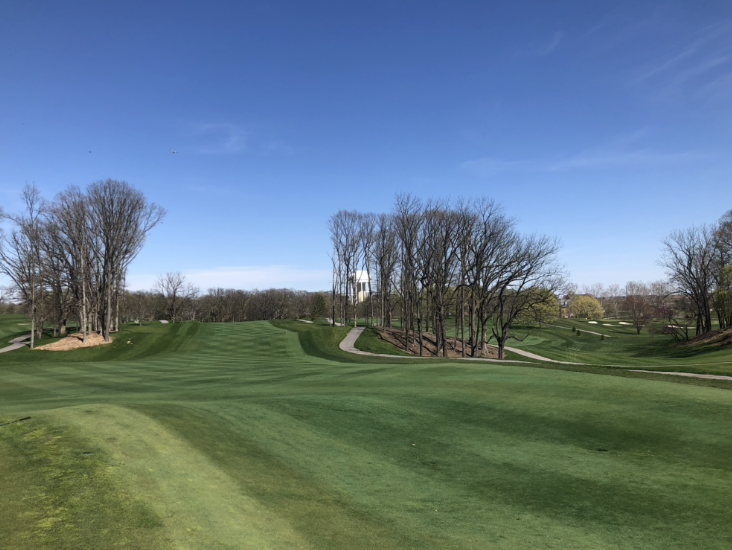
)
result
[(259, 436)]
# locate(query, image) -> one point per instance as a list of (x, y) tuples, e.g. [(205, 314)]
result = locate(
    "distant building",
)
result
[(360, 282)]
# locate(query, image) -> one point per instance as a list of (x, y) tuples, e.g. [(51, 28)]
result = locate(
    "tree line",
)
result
[(431, 260), (174, 298)]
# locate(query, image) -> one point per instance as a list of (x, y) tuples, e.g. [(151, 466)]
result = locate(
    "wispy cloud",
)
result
[(221, 139), (491, 166), (539, 48), (699, 64), (549, 47), (225, 138), (620, 159), (246, 277), (586, 160)]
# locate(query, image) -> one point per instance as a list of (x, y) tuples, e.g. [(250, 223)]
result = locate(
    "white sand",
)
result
[(592, 322)]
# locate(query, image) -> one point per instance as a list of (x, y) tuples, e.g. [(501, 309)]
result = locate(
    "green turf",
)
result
[(258, 436), (622, 346), (132, 342), (372, 342)]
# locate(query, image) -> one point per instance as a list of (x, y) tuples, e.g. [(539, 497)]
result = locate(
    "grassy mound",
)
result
[(714, 338), (372, 341), (252, 435), (145, 340), (621, 347)]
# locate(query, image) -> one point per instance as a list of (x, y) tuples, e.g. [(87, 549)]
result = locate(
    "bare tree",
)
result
[(21, 256), (639, 304), (366, 236), (408, 222), (689, 259), (438, 255), (122, 217), (176, 291), (385, 256), (344, 235), (531, 277)]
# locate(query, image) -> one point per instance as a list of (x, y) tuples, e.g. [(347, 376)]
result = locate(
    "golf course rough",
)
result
[(232, 436)]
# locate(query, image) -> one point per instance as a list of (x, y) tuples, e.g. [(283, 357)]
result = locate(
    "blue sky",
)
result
[(607, 124)]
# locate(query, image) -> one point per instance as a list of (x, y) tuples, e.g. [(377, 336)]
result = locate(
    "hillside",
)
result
[(235, 436)]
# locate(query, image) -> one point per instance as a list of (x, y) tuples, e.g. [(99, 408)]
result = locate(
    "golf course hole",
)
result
[(86, 453)]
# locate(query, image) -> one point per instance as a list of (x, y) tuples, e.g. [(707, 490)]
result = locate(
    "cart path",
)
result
[(687, 374), (348, 344), (16, 343)]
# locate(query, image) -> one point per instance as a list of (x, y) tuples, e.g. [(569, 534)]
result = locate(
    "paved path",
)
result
[(687, 374), (538, 357), (348, 345), (305, 321), (16, 343)]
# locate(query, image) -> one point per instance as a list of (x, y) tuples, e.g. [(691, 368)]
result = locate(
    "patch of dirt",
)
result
[(75, 341), (716, 338), (454, 349)]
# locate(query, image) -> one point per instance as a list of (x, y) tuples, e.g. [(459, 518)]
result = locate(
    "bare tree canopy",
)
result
[(71, 256), (690, 262), (437, 263)]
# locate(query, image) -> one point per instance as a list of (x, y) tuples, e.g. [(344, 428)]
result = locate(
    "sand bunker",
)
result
[(607, 325), (74, 341), (592, 322), (624, 323)]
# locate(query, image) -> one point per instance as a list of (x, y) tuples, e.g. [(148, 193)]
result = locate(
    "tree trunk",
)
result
[(419, 326), (116, 305), (108, 313)]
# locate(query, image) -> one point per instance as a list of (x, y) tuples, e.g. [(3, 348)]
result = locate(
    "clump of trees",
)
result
[(696, 261), (69, 257), (585, 306), (435, 259), (543, 311)]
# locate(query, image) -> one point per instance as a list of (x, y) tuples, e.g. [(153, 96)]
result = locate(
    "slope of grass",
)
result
[(12, 326), (240, 437), (372, 342), (622, 346), (131, 342)]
